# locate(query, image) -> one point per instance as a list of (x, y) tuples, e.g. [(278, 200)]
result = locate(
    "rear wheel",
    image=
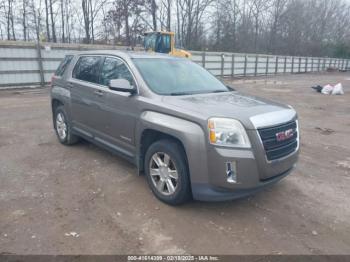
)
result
[(62, 127), (167, 172)]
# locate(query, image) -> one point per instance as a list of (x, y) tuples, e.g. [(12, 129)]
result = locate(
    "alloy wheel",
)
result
[(61, 126), (163, 173)]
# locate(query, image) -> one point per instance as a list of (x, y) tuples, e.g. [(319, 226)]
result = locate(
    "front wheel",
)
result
[(167, 172)]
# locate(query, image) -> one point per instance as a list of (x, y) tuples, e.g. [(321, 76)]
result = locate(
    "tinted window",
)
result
[(63, 65), (87, 68), (113, 68)]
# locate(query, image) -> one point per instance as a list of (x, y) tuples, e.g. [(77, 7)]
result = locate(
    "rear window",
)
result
[(87, 68), (63, 65)]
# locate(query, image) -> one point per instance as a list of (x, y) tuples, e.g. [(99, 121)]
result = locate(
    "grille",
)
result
[(277, 149)]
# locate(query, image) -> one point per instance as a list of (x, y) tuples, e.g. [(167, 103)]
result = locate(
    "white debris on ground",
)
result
[(333, 90), (345, 163), (72, 234)]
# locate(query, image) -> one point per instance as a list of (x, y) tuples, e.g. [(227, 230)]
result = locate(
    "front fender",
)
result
[(190, 134)]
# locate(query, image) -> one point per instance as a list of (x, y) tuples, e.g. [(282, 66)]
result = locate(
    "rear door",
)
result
[(86, 95)]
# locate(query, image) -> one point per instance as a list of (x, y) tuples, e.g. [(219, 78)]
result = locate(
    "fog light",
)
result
[(231, 172)]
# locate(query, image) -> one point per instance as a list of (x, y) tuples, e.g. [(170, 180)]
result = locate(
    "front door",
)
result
[(119, 111)]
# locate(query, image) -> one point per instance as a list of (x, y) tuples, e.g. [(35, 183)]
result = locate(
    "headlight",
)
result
[(227, 132)]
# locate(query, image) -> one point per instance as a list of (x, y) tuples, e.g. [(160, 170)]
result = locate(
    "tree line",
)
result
[(288, 27)]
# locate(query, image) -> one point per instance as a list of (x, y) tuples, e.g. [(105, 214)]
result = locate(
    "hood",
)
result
[(251, 111)]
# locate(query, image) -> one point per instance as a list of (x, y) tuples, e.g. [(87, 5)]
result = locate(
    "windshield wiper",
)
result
[(219, 91), (197, 92), (181, 93)]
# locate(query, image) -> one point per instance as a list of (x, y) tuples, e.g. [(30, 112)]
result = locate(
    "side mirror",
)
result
[(230, 88), (121, 85)]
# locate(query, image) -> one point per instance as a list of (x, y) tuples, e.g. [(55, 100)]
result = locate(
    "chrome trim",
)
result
[(102, 56), (231, 172), (273, 118), (125, 138), (284, 157), (89, 84)]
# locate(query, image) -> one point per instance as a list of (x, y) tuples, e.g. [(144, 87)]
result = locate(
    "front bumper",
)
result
[(253, 173), (206, 192)]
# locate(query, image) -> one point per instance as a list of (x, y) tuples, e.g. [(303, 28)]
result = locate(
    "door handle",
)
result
[(99, 92)]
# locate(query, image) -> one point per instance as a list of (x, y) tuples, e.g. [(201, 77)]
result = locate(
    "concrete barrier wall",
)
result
[(29, 64)]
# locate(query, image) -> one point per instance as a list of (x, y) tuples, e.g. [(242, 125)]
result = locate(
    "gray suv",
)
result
[(192, 136)]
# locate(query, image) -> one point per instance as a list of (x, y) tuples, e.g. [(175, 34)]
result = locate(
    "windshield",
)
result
[(177, 77)]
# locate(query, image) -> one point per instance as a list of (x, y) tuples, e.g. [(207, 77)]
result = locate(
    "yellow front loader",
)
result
[(163, 42)]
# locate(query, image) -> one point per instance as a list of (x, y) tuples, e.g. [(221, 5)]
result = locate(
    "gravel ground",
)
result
[(82, 200)]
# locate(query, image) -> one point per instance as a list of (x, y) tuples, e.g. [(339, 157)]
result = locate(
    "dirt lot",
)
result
[(48, 190)]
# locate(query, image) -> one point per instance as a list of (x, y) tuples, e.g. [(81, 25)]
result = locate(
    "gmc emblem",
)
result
[(284, 135)]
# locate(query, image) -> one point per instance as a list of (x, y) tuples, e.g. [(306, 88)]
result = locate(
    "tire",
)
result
[(61, 122), (168, 176)]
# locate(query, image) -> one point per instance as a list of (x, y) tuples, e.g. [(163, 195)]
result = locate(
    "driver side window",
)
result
[(114, 68)]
